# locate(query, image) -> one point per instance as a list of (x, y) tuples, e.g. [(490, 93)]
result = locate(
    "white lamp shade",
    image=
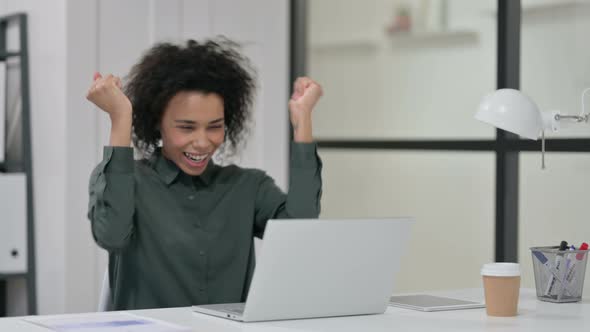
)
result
[(511, 110)]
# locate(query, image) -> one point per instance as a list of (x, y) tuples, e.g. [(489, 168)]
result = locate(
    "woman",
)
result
[(178, 227)]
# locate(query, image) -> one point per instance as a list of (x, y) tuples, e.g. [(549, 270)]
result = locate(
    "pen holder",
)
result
[(559, 275)]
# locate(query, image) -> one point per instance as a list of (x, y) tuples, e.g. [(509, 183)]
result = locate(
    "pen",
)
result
[(550, 290)]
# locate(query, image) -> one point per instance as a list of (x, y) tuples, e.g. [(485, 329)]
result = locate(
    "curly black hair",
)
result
[(213, 66)]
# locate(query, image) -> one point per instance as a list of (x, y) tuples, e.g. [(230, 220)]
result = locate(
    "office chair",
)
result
[(104, 299)]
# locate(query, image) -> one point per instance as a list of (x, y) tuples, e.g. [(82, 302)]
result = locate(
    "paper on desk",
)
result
[(104, 322)]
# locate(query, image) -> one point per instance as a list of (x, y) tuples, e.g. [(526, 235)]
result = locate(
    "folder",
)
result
[(2, 110)]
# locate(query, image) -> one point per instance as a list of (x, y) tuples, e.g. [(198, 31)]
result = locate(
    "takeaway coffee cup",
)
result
[(501, 284)]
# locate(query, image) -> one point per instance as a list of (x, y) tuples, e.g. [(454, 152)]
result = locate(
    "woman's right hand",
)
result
[(107, 94)]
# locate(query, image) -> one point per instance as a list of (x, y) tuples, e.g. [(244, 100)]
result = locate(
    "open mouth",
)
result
[(196, 160)]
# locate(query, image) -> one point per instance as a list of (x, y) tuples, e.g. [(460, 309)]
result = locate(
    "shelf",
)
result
[(17, 23), (549, 8), (433, 38), (5, 55), (361, 45), (405, 39), (5, 276), (11, 167), (554, 8)]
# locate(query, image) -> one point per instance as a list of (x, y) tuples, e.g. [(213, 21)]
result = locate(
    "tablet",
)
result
[(432, 303)]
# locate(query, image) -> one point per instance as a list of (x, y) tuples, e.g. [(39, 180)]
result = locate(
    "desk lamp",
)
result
[(511, 110)]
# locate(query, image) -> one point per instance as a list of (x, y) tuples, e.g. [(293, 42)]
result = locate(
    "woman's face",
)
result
[(192, 128)]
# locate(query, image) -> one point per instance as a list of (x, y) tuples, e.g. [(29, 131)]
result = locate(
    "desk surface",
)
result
[(533, 315)]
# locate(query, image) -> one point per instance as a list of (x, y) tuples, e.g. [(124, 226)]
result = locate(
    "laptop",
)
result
[(310, 268)]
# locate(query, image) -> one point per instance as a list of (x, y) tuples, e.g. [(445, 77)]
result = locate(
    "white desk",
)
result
[(533, 315)]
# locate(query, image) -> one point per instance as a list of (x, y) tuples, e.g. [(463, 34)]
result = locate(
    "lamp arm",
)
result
[(551, 121), (556, 117), (576, 118)]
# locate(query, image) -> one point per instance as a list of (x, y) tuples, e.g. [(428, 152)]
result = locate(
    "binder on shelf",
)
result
[(13, 223), (2, 109)]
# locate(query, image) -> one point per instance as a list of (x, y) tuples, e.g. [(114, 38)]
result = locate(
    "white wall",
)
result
[(69, 40), (81, 142), (553, 205), (450, 195)]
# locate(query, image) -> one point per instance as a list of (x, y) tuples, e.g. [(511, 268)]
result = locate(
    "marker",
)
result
[(558, 261), (583, 246), (568, 260), (568, 265), (571, 273), (550, 268)]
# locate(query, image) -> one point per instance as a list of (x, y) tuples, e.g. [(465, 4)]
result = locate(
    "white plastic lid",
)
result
[(501, 269)]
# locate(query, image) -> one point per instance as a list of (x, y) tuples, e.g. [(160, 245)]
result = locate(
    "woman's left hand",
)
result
[(306, 93)]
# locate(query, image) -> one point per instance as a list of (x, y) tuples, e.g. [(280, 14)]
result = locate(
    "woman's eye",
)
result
[(185, 127), (215, 127)]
